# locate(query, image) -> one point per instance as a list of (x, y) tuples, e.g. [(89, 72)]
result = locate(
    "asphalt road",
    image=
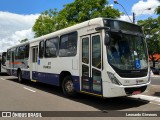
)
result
[(155, 80), (41, 97)]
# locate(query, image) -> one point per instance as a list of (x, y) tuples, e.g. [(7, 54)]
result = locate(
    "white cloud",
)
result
[(142, 6), (111, 5), (126, 18), (19, 35), (15, 27)]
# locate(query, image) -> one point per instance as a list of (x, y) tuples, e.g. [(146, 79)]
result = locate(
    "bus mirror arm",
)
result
[(106, 38), (102, 28)]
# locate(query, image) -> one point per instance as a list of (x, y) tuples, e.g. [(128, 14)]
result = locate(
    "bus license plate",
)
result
[(136, 92)]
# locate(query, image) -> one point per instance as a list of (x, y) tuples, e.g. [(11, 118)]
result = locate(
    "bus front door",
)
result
[(91, 64), (34, 72)]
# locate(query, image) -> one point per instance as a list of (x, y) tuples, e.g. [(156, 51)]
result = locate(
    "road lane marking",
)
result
[(29, 89), (155, 85), (3, 79), (154, 76)]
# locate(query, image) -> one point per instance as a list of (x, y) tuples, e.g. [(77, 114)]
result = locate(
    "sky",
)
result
[(18, 16)]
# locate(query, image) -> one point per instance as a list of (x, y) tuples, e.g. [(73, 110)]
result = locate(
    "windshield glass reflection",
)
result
[(127, 52)]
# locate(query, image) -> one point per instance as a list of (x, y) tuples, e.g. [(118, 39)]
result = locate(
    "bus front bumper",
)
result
[(112, 90)]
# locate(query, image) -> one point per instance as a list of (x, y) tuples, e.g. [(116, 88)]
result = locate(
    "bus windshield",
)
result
[(127, 52)]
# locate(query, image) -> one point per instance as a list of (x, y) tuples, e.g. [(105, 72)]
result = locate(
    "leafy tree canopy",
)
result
[(157, 10), (73, 13), (151, 29)]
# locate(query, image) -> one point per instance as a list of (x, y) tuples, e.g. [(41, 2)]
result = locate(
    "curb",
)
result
[(147, 97), (155, 75)]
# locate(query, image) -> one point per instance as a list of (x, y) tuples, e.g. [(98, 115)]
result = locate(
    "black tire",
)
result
[(68, 87), (19, 75)]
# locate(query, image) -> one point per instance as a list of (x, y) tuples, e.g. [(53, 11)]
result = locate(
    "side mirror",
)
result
[(107, 40)]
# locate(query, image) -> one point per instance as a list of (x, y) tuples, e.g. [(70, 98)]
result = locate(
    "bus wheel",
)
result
[(20, 80), (68, 87)]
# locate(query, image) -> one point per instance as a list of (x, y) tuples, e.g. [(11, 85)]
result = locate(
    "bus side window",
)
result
[(68, 45), (26, 51), (16, 53), (51, 47), (8, 54), (41, 49), (21, 52)]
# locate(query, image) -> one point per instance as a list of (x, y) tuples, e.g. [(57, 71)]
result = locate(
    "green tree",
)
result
[(73, 13), (157, 10), (151, 28), (45, 23)]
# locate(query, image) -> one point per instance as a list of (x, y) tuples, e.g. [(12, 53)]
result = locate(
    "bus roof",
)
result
[(95, 21)]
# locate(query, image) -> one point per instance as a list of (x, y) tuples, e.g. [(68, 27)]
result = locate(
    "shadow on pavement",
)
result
[(157, 94), (119, 103), (4, 74)]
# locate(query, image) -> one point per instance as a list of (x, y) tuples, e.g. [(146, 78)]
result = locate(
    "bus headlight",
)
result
[(113, 79)]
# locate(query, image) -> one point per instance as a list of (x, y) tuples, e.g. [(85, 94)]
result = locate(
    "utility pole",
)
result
[(115, 2), (133, 17)]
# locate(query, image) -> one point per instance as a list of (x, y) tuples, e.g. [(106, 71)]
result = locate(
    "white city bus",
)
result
[(102, 57), (2, 62)]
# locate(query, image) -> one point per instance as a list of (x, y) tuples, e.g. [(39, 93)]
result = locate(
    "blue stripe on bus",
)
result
[(26, 75), (35, 75), (48, 78), (76, 81), (53, 79)]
